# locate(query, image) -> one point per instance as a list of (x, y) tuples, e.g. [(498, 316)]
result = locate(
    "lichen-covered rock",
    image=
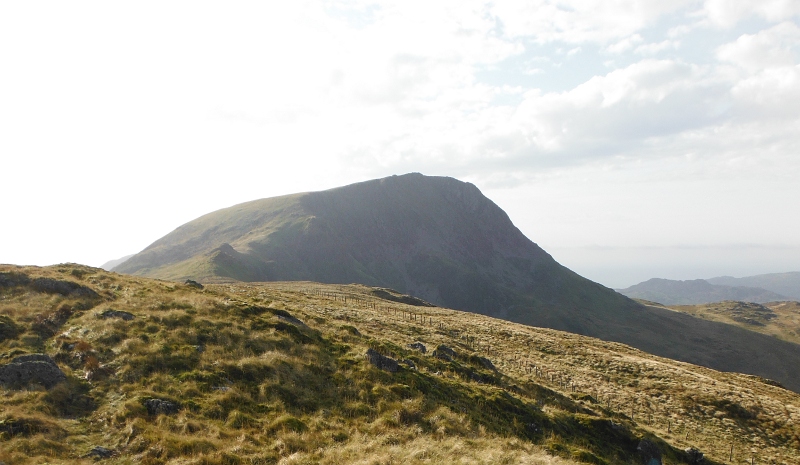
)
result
[(418, 346), (161, 406), (381, 361), (31, 369)]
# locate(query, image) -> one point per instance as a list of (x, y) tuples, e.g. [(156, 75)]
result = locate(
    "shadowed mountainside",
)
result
[(696, 291), (441, 240)]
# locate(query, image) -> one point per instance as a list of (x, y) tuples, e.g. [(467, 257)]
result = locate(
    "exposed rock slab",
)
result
[(31, 369), (381, 361)]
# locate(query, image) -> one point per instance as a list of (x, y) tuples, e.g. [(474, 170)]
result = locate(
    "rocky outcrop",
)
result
[(157, 406), (695, 457), (101, 452), (65, 288), (31, 369), (8, 329), (418, 346), (445, 353), (381, 361), (110, 313), (193, 283), (486, 363), (650, 453)]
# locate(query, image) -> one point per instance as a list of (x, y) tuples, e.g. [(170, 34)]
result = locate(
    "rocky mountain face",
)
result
[(443, 241)]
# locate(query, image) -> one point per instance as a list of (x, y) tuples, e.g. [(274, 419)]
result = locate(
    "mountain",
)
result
[(98, 367), (696, 291), (787, 284), (443, 241), (433, 237), (109, 265)]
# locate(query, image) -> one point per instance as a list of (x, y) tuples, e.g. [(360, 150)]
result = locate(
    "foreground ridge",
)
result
[(164, 372)]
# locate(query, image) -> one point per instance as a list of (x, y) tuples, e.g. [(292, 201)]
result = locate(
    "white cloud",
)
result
[(777, 46), (578, 21), (726, 13), (625, 44), (655, 48)]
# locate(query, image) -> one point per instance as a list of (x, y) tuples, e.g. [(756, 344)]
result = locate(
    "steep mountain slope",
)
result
[(159, 372), (441, 240), (787, 284), (696, 291)]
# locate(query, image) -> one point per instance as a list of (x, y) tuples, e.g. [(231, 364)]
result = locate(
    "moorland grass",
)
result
[(276, 373)]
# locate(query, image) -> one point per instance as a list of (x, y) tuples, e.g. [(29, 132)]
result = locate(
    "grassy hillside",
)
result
[(778, 319), (162, 372), (696, 291)]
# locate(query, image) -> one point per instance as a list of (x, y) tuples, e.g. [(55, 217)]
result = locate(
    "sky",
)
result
[(631, 139)]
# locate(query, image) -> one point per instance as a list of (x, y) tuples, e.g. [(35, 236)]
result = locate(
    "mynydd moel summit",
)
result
[(441, 240)]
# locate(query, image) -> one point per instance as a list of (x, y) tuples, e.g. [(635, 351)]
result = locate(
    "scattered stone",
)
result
[(194, 284), (650, 453), (32, 368), (418, 346), (117, 314), (445, 353), (409, 363), (159, 406), (101, 453), (695, 456), (381, 361)]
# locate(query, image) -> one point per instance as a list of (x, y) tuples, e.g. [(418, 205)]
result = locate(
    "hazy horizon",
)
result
[(630, 140)]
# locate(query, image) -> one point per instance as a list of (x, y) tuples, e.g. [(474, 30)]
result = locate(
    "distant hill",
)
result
[(443, 241), (696, 291), (109, 265), (787, 284), (778, 319)]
